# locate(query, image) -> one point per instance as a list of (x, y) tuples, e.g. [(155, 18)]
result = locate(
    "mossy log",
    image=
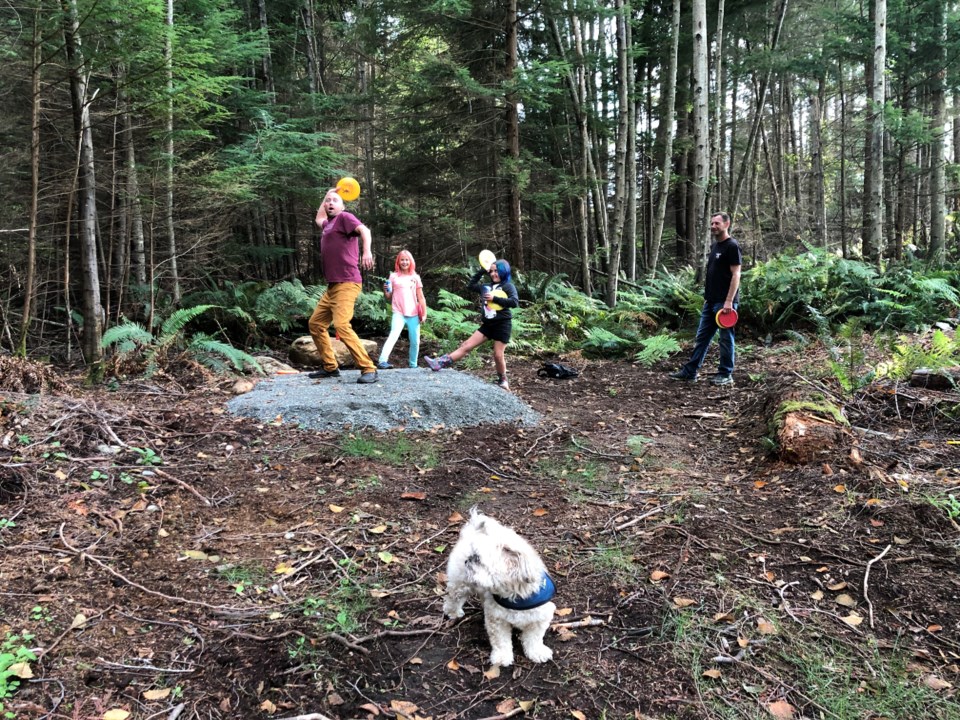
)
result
[(942, 379), (808, 429)]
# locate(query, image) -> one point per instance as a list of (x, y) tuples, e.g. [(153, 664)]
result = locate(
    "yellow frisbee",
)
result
[(486, 258), (348, 189)]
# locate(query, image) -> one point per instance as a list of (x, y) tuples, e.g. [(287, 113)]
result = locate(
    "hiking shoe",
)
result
[(384, 366), (322, 373), (502, 382), (367, 378), (721, 380), (439, 363), (681, 375)]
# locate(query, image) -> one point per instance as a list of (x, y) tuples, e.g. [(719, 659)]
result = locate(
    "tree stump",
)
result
[(807, 429)]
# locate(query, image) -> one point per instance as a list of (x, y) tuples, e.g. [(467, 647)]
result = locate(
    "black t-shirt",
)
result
[(723, 255)]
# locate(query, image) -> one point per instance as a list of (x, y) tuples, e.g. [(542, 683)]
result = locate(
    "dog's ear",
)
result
[(511, 558)]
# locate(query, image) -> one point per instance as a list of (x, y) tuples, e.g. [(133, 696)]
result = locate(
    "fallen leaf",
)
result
[(416, 661), (743, 642), (713, 673), (723, 617), (158, 694), (79, 620), (563, 612), (936, 683), (21, 670), (759, 484), (379, 529), (540, 512), (403, 707), (781, 709), (827, 470), (455, 518), (527, 705), (839, 488), (874, 501), (283, 569), (116, 715), (853, 619), (195, 554), (817, 595), (876, 523), (837, 586), (493, 673), (453, 665), (336, 509), (578, 715), (934, 628), (414, 496), (765, 627), (370, 708), (379, 593), (385, 556), (505, 706), (163, 533), (845, 600), (658, 575), (900, 541), (335, 699), (683, 602)]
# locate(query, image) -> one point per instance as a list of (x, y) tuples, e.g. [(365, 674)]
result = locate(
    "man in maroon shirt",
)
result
[(341, 255)]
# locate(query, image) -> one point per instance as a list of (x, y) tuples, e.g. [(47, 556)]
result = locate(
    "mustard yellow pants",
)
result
[(336, 308)]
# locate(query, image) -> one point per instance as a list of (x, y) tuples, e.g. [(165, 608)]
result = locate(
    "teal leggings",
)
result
[(413, 334)]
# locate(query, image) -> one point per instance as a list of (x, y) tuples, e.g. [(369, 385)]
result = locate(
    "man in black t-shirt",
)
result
[(720, 294)]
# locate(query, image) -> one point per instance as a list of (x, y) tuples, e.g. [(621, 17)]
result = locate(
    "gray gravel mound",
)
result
[(414, 399)]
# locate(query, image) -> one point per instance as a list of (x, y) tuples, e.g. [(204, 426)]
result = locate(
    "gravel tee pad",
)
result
[(414, 399)]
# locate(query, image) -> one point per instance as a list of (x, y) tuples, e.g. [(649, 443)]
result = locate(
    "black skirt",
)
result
[(497, 329)]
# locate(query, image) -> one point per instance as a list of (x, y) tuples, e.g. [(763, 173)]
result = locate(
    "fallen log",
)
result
[(942, 379)]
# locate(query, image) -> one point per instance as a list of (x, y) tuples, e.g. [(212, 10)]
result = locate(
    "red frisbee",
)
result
[(727, 319)]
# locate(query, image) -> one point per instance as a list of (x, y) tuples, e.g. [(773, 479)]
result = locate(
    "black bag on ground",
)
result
[(557, 371)]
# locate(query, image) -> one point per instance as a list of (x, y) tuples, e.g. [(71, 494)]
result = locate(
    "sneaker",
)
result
[(681, 375), (322, 373), (384, 365), (721, 380), (439, 363), (502, 382), (367, 378)]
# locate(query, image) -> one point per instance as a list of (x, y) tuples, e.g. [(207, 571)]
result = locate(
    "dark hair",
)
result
[(725, 216), (503, 270)]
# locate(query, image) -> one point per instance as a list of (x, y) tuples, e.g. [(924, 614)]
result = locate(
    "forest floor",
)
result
[(169, 560)]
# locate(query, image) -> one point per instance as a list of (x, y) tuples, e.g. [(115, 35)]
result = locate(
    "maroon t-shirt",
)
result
[(340, 249)]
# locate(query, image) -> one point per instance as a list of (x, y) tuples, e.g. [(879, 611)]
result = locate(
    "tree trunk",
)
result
[(873, 205), (171, 237), (87, 193), (817, 180), (624, 69), (844, 249), (665, 138), (938, 200), (713, 196), (752, 138), (27, 318), (701, 130), (513, 137)]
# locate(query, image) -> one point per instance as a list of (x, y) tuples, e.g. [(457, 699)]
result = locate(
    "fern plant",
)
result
[(286, 304), (656, 348), (131, 338), (936, 352)]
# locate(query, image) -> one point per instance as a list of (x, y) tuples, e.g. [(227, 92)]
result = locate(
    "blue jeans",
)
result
[(705, 331), (413, 334)]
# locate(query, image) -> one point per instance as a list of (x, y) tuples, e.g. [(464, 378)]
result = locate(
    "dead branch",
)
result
[(866, 581), (186, 486), (586, 622)]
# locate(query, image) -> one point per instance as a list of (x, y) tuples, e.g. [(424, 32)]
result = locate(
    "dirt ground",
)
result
[(172, 561)]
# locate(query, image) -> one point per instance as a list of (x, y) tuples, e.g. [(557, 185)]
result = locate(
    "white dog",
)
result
[(493, 562)]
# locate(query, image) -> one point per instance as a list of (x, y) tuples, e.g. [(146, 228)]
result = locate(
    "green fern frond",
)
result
[(209, 351), (656, 348), (127, 336), (174, 325)]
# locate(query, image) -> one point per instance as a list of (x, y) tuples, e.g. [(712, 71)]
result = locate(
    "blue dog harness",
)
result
[(541, 597)]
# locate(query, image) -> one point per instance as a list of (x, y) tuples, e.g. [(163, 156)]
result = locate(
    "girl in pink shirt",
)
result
[(404, 290)]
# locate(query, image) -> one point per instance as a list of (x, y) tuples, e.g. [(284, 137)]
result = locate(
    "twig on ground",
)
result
[(516, 711), (186, 486), (533, 445), (308, 716), (586, 622), (786, 605), (639, 518), (44, 651), (866, 581), (610, 456)]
